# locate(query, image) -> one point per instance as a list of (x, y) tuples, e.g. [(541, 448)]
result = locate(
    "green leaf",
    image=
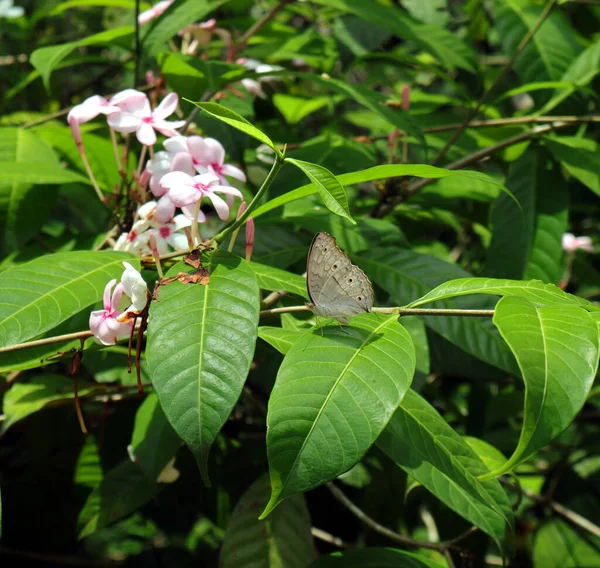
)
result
[(557, 544), (237, 121), (553, 47), (372, 100), (123, 490), (331, 190), (279, 338), (488, 454), (25, 398), (284, 539), (422, 443), (332, 397), (407, 274), (294, 109), (46, 59), (153, 442), (557, 352), (177, 17), (579, 74), (275, 279), (26, 161), (37, 296), (537, 292), (525, 245), (375, 558), (441, 43), (189, 74), (375, 173), (201, 342), (68, 4), (580, 157)]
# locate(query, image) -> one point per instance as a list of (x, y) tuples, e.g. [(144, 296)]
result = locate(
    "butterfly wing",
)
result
[(337, 288)]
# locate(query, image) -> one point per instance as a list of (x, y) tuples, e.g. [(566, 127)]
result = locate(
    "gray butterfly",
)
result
[(336, 287)]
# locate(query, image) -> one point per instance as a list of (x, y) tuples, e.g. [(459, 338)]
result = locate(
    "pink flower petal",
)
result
[(165, 209), (166, 107), (116, 297), (145, 134), (220, 206), (176, 144), (182, 162), (232, 171), (123, 122), (188, 211), (215, 151), (227, 189), (168, 128), (107, 290), (198, 150)]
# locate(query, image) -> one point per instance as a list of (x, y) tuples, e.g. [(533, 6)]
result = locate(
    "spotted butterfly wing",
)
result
[(336, 287)]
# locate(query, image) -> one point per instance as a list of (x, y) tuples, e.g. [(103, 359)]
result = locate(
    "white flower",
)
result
[(135, 287), (571, 243), (7, 10)]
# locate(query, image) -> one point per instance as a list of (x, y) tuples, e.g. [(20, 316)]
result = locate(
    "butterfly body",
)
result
[(336, 287)]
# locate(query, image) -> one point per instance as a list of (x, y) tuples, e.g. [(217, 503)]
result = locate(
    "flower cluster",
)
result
[(111, 323), (188, 170)]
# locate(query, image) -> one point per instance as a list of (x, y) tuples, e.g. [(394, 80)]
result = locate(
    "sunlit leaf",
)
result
[(332, 396)]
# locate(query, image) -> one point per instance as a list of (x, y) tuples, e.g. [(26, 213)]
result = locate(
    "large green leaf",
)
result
[(537, 292), (525, 242), (407, 275), (557, 352), (123, 490), (177, 17), (331, 190), (579, 74), (441, 43), (25, 398), (237, 121), (375, 173), (332, 397), (46, 59), (283, 539), (37, 296), (557, 544), (375, 558), (422, 443), (201, 341), (153, 442), (274, 279), (29, 168), (279, 338), (552, 49), (580, 156)]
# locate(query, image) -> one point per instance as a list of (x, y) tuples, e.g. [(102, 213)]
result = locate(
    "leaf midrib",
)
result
[(332, 390)]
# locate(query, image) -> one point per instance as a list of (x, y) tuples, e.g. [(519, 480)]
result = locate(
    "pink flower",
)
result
[(176, 158), (185, 190), (135, 287), (103, 323), (138, 117), (91, 108), (571, 243), (208, 157), (249, 238), (154, 12), (254, 88)]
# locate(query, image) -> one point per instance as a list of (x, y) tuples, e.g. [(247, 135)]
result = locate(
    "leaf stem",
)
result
[(138, 46), (277, 165)]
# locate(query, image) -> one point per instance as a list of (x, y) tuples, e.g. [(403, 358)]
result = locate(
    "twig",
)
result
[(400, 311), (329, 538), (559, 509), (441, 546), (47, 341), (241, 43), (272, 298), (475, 110), (467, 161)]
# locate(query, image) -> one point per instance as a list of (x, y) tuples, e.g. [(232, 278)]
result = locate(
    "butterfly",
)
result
[(336, 287)]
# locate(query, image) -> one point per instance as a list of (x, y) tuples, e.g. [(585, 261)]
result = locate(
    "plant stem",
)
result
[(138, 46), (277, 165), (399, 311), (475, 110), (241, 43), (396, 537)]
